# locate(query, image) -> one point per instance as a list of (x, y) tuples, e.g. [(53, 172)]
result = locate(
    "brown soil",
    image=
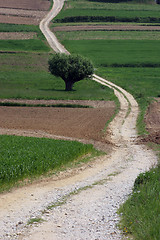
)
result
[(26, 4), (152, 120), (81, 123), (16, 35), (23, 11), (19, 20), (105, 27)]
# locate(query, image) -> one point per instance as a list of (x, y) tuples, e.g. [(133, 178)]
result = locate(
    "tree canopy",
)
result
[(71, 68)]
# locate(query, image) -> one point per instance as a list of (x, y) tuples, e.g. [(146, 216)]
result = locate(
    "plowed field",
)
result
[(81, 123), (42, 5), (23, 11)]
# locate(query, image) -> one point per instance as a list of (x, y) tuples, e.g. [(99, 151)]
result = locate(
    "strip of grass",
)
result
[(140, 214), (31, 62), (7, 27), (25, 158), (117, 52), (108, 35), (30, 45), (61, 105)]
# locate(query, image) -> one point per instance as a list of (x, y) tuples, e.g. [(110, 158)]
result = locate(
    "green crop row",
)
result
[(108, 35), (24, 157), (117, 52), (6, 27), (33, 45), (113, 18), (93, 11)]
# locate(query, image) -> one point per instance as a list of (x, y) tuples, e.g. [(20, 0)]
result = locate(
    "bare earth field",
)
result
[(105, 27), (23, 12), (80, 123), (76, 123), (16, 35), (26, 4)]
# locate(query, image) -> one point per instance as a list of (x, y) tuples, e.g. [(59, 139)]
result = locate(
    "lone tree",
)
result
[(71, 68)]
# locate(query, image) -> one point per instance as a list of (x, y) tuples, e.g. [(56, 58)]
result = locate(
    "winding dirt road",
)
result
[(92, 195)]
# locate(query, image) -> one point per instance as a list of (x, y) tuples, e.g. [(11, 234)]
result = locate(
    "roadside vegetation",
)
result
[(140, 214), (27, 158)]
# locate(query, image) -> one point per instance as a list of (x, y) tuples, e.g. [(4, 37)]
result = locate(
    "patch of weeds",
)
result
[(34, 220)]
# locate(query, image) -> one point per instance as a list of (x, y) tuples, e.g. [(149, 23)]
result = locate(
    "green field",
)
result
[(86, 11), (140, 214), (30, 45), (25, 158), (27, 76), (6, 27), (117, 52)]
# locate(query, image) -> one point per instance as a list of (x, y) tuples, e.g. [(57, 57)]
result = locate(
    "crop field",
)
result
[(87, 11), (23, 157), (117, 52), (23, 11), (108, 35), (4, 27), (25, 4), (23, 45)]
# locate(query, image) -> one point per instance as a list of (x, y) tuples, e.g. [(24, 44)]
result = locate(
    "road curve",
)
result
[(44, 27)]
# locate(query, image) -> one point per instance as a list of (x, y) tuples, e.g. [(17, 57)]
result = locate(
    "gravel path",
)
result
[(84, 205)]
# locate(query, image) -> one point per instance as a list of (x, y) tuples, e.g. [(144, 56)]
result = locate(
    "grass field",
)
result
[(6, 27), (122, 11), (30, 45), (27, 76), (25, 158)]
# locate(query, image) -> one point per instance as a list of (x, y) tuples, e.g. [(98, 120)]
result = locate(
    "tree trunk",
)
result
[(69, 86)]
